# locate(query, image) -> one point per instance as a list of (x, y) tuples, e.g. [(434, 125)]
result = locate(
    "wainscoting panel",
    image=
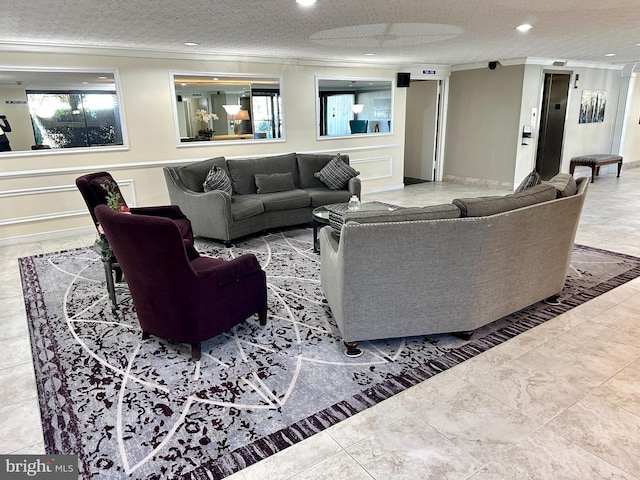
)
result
[(61, 201)]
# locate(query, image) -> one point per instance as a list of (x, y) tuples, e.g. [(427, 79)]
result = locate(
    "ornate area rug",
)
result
[(143, 410)]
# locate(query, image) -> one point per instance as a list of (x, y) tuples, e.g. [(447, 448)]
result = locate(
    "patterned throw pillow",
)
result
[(217, 179), (336, 174), (529, 181)]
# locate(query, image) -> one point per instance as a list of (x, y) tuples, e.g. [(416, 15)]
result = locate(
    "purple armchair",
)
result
[(179, 295), (92, 188)]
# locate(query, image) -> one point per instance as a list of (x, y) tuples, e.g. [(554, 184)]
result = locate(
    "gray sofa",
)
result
[(221, 216), (448, 268)]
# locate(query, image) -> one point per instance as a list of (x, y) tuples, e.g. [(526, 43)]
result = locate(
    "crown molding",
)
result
[(544, 62), (181, 55)]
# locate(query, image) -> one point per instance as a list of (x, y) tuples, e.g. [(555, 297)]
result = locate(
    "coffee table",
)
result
[(320, 216)]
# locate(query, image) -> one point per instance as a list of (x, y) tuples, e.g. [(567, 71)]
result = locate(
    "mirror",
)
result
[(54, 109), (221, 107), (354, 106)]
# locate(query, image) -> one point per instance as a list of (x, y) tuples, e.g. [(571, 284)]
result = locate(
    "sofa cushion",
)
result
[(193, 175), (482, 206), (308, 164), (242, 171), (217, 179), (278, 201), (529, 181), (273, 182), (245, 206), (338, 214), (564, 183), (323, 196), (337, 173)]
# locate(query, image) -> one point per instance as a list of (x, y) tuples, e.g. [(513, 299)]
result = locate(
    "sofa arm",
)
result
[(209, 212), (354, 186)]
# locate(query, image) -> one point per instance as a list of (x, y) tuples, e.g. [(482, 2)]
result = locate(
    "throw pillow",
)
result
[(274, 182), (217, 179), (529, 181), (336, 174), (564, 183)]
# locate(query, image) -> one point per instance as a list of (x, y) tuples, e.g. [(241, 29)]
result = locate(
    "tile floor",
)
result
[(561, 401)]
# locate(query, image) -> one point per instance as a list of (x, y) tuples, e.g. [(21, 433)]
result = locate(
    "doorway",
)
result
[(421, 131), (552, 122)]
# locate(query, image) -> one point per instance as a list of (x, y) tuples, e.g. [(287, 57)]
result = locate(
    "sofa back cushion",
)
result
[(274, 182), (308, 164), (483, 206), (338, 215), (243, 171), (194, 174)]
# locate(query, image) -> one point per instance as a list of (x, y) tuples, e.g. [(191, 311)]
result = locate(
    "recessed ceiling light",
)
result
[(525, 27), (609, 54), (368, 54), (191, 44), (305, 3)]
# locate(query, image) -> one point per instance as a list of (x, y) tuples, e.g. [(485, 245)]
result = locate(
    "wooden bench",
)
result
[(595, 161)]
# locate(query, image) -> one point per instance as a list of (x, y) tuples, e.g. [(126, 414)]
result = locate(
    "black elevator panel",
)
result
[(552, 118)]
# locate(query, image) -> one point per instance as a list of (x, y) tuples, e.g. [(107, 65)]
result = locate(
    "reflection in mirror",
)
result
[(47, 109), (353, 106), (213, 107)]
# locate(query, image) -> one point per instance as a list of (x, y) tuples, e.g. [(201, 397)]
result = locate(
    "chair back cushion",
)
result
[(92, 188)]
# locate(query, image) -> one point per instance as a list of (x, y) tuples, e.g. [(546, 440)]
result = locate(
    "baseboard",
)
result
[(43, 236), (398, 186), (478, 182)]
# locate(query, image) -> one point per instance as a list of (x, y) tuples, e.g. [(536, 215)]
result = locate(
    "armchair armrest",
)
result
[(231, 271), (209, 212), (168, 211)]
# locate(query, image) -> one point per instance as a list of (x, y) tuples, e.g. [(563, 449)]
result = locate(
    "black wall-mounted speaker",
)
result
[(404, 79), (179, 98), (493, 65)]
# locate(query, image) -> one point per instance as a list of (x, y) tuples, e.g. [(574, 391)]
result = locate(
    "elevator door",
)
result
[(552, 119)]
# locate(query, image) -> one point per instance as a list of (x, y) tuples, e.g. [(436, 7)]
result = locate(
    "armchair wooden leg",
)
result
[(111, 288), (196, 351), (262, 316)]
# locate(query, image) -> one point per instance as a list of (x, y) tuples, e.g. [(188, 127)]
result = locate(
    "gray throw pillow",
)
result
[(529, 181), (564, 183), (274, 182), (336, 174), (217, 179)]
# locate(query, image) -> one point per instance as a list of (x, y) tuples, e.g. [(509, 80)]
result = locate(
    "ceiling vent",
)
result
[(559, 63)]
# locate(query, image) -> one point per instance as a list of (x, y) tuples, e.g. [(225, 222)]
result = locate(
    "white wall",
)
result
[(38, 194), (483, 125), (488, 108)]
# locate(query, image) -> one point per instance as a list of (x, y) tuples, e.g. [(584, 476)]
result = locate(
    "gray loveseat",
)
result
[(448, 268), (222, 216)]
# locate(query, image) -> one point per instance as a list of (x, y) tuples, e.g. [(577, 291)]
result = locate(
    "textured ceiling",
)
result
[(399, 32)]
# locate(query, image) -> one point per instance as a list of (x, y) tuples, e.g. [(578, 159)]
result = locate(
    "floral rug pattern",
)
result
[(144, 410)]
